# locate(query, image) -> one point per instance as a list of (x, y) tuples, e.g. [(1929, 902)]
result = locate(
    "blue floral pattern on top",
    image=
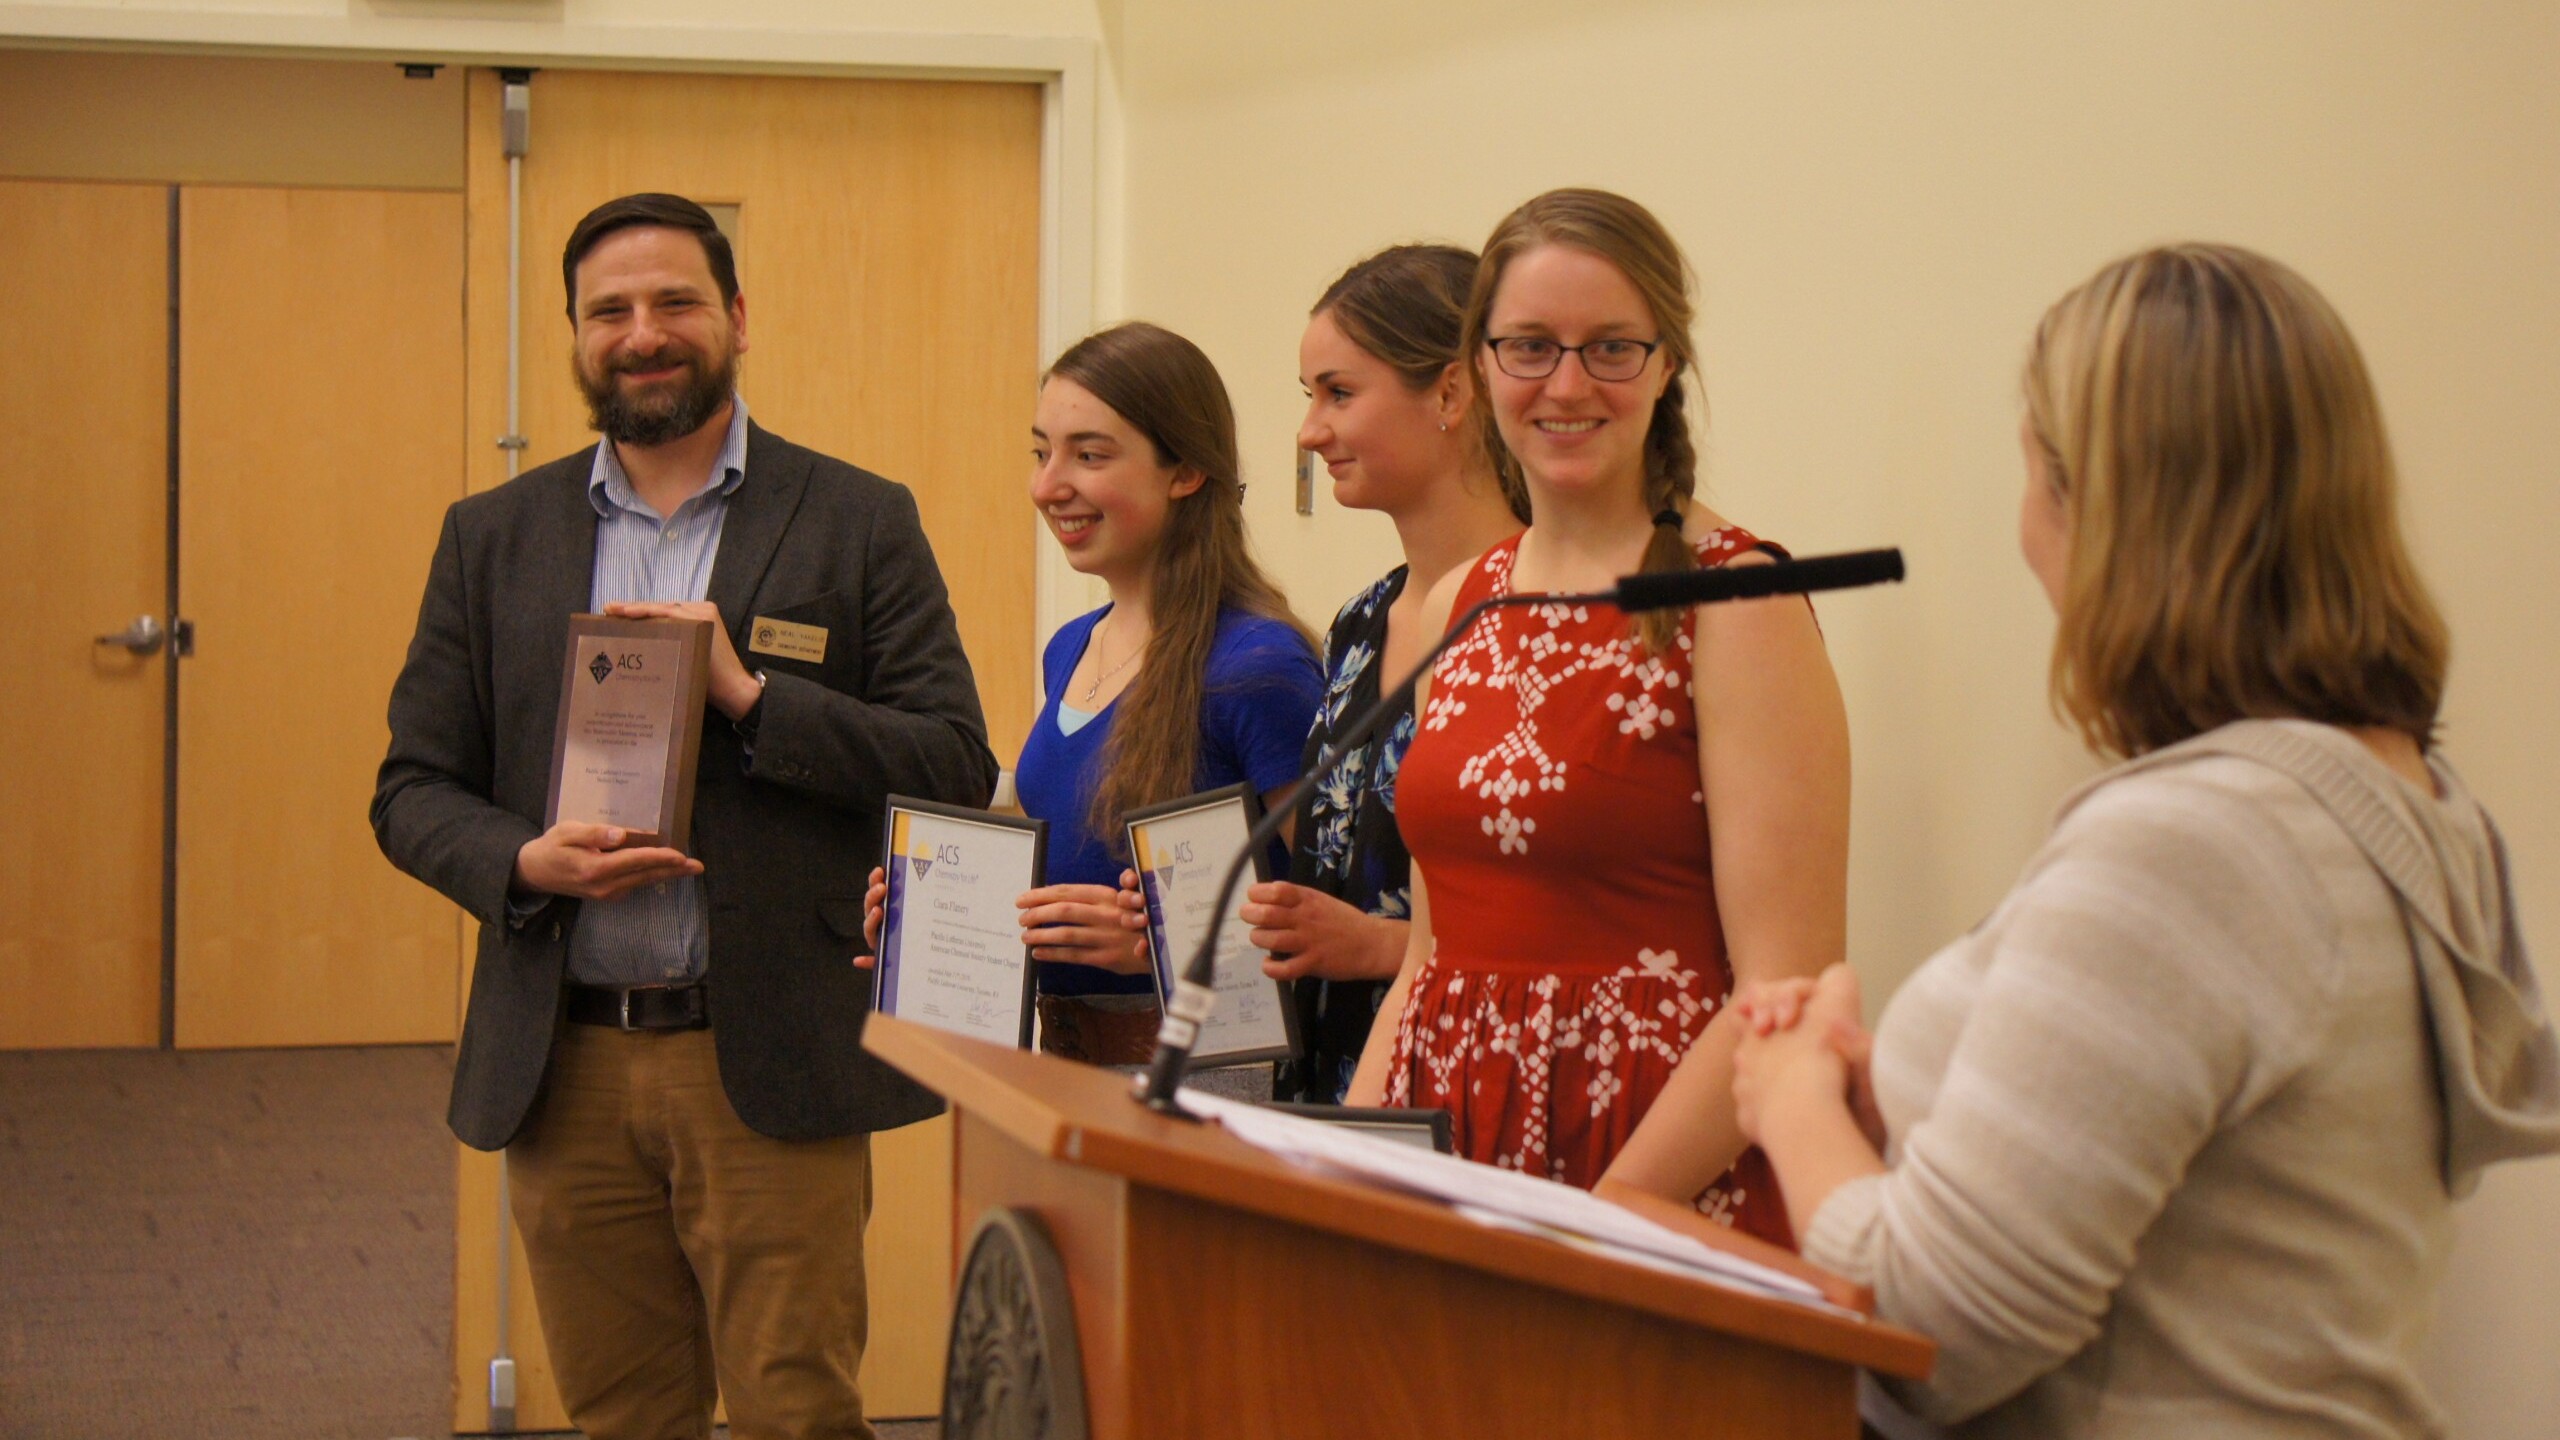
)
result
[(1339, 679), (1347, 845), (1391, 761)]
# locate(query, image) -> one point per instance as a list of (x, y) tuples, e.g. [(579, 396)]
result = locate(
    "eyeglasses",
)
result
[(1534, 357)]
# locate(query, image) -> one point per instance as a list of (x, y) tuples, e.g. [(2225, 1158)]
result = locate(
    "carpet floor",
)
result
[(246, 1244)]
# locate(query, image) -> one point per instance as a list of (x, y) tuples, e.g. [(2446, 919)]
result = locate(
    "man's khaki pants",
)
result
[(679, 1256)]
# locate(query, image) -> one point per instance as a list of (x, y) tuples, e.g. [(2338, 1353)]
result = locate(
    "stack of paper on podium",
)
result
[(1496, 1198)]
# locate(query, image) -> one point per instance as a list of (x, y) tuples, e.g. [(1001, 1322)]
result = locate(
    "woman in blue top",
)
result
[(1195, 676)]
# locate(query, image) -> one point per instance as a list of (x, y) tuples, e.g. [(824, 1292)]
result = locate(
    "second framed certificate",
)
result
[(951, 952), (1182, 848)]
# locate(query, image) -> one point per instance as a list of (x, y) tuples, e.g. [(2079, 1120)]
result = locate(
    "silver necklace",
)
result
[(1094, 686)]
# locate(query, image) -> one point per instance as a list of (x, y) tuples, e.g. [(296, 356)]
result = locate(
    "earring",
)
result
[(1444, 427)]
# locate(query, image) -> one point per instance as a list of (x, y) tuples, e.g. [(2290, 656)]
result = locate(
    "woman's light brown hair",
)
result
[(1165, 387), (2235, 550), (1626, 235), (1406, 307)]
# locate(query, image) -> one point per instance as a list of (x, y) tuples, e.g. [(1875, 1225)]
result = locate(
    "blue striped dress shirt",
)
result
[(658, 934)]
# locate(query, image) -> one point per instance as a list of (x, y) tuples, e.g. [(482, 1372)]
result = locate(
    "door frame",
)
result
[(1065, 67)]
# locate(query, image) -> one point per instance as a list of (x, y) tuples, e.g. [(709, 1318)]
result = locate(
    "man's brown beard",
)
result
[(654, 421)]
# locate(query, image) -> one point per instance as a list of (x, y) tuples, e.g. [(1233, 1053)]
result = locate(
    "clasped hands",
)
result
[(1803, 1046)]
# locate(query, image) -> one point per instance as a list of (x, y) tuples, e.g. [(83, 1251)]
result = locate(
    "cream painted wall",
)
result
[(1880, 199)]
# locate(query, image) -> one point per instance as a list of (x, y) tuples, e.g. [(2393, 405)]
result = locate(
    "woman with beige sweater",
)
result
[(2167, 1145)]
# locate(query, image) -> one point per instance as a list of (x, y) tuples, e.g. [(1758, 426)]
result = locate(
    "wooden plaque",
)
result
[(630, 727)]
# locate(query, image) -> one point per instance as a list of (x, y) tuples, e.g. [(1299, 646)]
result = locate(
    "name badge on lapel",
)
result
[(790, 641)]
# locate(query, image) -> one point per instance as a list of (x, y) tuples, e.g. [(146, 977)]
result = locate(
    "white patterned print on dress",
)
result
[(1649, 696), (1660, 1014)]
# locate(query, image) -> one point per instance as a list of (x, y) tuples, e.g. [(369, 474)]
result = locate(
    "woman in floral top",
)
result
[(1387, 405)]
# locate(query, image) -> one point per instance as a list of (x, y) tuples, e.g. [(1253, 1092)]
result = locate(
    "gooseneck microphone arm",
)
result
[(1194, 992), (1187, 1009)]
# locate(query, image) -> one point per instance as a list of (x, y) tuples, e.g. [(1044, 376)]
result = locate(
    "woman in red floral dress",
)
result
[(1612, 818)]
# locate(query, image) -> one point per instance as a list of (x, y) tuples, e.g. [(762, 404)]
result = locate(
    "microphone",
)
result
[(1187, 1009), (1681, 588)]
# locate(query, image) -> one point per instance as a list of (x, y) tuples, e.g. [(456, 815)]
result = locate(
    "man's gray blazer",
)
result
[(787, 837)]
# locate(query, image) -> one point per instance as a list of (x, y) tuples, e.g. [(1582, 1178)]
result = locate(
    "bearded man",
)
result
[(665, 1044)]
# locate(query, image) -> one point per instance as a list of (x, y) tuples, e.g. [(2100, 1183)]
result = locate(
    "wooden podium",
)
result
[(1217, 1291)]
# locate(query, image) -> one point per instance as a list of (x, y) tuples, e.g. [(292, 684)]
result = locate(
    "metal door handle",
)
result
[(142, 637)]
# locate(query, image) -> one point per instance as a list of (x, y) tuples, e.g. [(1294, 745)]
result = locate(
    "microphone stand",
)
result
[(1194, 991)]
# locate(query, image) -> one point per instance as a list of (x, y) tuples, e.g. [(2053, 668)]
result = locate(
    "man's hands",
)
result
[(1307, 932), (732, 689), (587, 862)]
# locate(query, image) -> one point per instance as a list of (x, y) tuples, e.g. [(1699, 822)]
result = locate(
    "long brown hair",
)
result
[(1162, 385), (1626, 235), (2230, 497), (1406, 306)]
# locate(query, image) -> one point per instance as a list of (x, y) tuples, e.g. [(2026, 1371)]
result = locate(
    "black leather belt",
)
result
[(645, 1007)]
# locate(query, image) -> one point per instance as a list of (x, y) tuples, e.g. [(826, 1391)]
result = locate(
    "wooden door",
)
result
[(84, 402), (887, 235), (320, 440)]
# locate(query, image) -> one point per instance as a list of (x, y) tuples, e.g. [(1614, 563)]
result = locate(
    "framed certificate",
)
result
[(1181, 849), (951, 951), (629, 733)]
